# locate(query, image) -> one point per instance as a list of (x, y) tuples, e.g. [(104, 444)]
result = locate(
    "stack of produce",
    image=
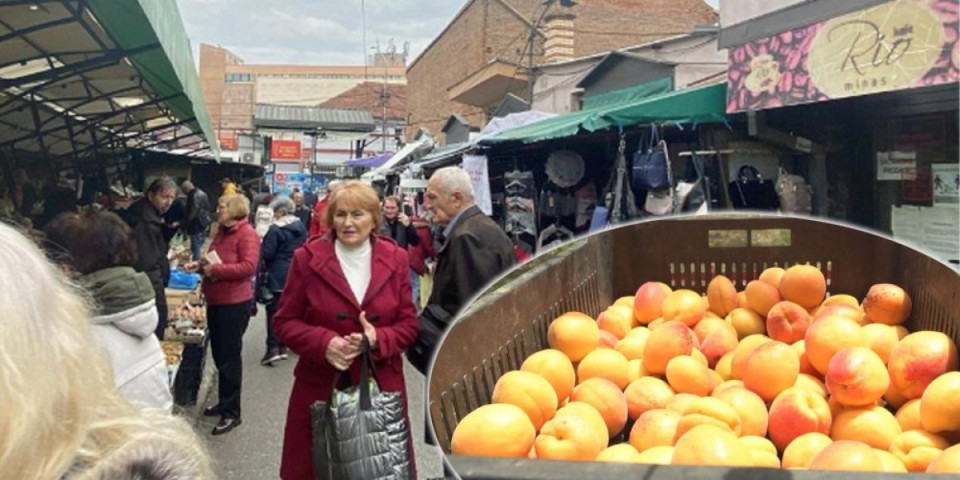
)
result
[(778, 375)]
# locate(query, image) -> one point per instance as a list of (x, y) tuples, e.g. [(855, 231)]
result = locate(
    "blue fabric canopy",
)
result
[(369, 162)]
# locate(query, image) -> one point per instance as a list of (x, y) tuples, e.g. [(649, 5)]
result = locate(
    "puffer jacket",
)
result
[(286, 235), (231, 282), (124, 324)]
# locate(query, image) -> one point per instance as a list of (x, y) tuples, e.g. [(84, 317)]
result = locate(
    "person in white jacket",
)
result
[(97, 247)]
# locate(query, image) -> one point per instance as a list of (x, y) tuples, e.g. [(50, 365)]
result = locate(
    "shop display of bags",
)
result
[(794, 193), (749, 191), (650, 169), (361, 432)]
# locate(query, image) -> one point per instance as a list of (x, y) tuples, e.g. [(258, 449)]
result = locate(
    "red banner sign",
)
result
[(285, 150), (228, 142), (894, 46)]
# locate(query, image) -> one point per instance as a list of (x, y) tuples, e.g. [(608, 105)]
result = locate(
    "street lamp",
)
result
[(530, 40)]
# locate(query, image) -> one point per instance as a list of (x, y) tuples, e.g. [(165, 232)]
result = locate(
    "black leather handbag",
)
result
[(751, 192), (650, 171)]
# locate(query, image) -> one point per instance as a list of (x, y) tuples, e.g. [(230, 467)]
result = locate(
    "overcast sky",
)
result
[(318, 32)]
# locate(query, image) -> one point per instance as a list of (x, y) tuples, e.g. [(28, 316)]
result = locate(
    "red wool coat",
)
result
[(318, 305), (231, 282)]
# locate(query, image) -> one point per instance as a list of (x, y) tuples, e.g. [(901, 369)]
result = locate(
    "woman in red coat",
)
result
[(347, 282), (228, 288)]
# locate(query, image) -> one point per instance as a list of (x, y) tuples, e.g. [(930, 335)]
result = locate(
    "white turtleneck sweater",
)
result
[(355, 262)]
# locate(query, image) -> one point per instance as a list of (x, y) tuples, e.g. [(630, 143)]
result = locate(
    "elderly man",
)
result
[(473, 251), (197, 217)]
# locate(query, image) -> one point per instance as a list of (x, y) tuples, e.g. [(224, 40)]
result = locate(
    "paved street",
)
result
[(252, 451)]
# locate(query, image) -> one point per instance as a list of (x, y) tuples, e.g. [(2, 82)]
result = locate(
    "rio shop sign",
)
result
[(898, 45)]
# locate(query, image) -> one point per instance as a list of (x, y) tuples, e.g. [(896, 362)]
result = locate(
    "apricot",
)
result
[(887, 303), (626, 301), (681, 401), (762, 451), (657, 427), (604, 363), (857, 377), (607, 340), (722, 295), (809, 382), (882, 338), (709, 410), (575, 334), (841, 299), (725, 385), (593, 418), (746, 322), (635, 370), (873, 425), (647, 303), (749, 407), (616, 319), (939, 408), (670, 340), (827, 336), (529, 391), (772, 368), (567, 437), (787, 322), (620, 453), (718, 343), (494, 430), (687, 375), (659, 455), (794, 412), (711, 445), (772, 276), (847, 455), (918, 448), (947, 462), (724, 366), (805, 366), (854, 313), (633, 343), (908, 415), (804, 285), (607, 398), (685, 306), (555, 367), (919, 358), (890, 463), (743, 351), (708, 325), (645, 394), (802, 449), (761, 297)]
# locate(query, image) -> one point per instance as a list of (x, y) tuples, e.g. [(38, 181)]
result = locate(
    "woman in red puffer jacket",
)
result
[(228, 289)]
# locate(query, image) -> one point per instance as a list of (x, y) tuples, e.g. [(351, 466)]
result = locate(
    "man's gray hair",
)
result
[(186, 186), (282, 203), (454, 179)]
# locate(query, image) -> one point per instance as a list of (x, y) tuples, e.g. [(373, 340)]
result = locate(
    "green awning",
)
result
[(628, 95), (170, 70), (692, 105)]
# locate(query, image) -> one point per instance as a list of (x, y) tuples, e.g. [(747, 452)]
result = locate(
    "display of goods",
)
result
[(173, 351), (778, 373)]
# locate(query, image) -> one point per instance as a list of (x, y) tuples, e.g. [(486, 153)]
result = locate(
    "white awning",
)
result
[(407, 152)]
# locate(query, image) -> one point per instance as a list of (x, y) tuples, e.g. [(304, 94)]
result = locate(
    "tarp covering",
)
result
[(692, 105), (628, 95), (369, 162), (169, 70)]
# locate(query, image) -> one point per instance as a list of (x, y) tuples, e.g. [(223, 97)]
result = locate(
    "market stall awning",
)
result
[(409, 152), (369, 162), (78, 76), (691, 105)]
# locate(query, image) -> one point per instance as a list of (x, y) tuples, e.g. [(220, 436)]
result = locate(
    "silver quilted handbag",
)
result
[(361, 433)]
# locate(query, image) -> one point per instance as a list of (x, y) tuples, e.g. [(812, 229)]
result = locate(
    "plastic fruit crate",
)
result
[(509, 321)]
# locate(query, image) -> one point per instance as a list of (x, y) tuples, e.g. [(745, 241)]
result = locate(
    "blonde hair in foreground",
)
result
[(60, 414)]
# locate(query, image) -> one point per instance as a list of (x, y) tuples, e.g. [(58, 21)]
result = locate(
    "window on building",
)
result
[(238, 77)]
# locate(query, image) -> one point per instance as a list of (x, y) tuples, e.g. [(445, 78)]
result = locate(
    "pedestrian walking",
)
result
[(145, 217), (399, 226), (98, 248), (473, 251), (198, 217), (343, 285), (283, 237), (62, 415), (302, 211), (318, 223), (228, 289)]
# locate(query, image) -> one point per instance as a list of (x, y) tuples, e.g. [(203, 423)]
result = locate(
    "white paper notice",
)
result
[(476, 167), (905, 222), (946, 184), (896, 166), (941, 232)]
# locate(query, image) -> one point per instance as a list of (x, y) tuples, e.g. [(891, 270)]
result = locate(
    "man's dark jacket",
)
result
[(474, 254), (198, 212), (152, 247)]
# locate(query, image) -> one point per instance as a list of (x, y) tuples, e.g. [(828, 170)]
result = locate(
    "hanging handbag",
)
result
[(650, 169), (750, 191), (262, 287), (361, 433), (794, 193)]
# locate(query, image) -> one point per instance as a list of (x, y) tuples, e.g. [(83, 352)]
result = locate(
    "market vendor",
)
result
[(145, 217)]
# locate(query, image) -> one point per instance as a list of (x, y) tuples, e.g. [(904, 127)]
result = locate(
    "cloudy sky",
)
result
[(324, 32)]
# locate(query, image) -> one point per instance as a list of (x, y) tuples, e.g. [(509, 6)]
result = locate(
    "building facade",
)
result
[(487, 50), (232, 89)]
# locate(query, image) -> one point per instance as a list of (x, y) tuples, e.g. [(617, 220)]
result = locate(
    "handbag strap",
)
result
[(366, 371)]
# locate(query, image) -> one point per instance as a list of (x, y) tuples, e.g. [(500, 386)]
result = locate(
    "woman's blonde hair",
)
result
[(354, 194), (237, 206), (61, 416)]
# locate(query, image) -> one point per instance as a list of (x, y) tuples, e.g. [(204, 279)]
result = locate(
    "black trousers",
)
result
[(272, 342), (227, 325), (162, 312)]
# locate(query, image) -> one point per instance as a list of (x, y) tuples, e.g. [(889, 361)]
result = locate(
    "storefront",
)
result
[(871, 96)]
